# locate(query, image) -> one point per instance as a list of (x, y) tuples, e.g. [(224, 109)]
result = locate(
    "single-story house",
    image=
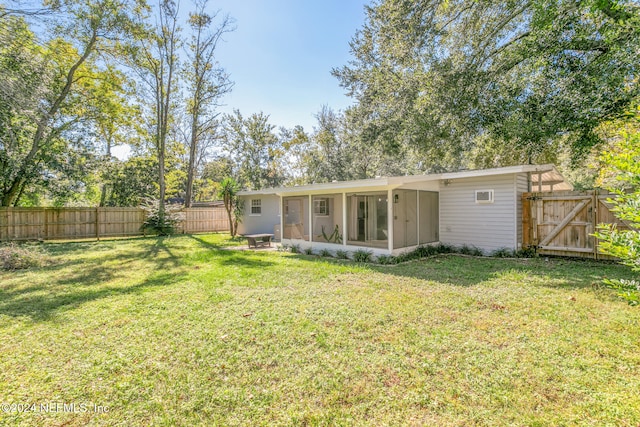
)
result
[(391, 215)]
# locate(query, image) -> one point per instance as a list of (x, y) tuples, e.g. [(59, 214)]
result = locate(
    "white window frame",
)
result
[(317, 206), (485, 202), (257, 205)]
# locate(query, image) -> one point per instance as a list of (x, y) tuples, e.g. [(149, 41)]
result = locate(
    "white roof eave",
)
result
[(390, 183)]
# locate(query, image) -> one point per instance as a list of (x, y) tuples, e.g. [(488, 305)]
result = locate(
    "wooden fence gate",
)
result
[(563, 222)]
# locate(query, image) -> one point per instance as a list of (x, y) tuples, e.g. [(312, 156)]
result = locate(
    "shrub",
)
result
[(308, 251), (443, 248), (628, 290), (525, 253), (160, 222), (283, 248), (426, 251), (362, 255), (18, 257), (470, 250), (342, 254), (502, 253), (386, 259), (621, 175), (295, 249), (325, 253), (407, 256)]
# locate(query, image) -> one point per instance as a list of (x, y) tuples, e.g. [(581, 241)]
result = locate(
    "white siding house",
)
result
[(261, 214), (487, 225), (391, 215)]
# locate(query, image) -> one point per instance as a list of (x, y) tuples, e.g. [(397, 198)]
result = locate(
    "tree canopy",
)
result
[(439, 85), (514, 76)]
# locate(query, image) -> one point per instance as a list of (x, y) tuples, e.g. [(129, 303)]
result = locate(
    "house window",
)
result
[(321, 207), (256, 206)]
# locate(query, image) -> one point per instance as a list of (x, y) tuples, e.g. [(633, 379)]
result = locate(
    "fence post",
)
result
[(4, 224), (596, 207), (12, 215), (46, 224), (98, 223)]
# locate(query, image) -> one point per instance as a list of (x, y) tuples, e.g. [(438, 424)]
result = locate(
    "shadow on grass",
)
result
[(469, 271), (226, 257), (161, 255), (77, 280), (460, 270), (42, 307), (200, 241), (154, 250)]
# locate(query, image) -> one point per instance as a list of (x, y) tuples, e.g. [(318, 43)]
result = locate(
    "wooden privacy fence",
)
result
[(563, 222), (18, 223), (203, 220)]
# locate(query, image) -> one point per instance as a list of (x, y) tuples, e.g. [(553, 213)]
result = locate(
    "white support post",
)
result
[(310, 218), (418, 216), (344, 219), (390, 218), (281, 219)]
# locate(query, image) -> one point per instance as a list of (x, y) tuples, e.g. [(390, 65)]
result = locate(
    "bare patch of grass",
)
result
[(22, 256)]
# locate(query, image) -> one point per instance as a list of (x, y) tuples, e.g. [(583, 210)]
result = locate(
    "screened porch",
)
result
[(385, 220)]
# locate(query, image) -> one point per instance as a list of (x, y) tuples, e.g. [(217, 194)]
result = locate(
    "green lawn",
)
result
[(177, 331)]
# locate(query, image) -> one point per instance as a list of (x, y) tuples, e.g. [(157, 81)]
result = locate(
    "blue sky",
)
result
[(280, 57), (281, 54)]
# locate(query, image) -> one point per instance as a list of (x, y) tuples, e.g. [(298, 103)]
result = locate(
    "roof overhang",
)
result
[(547, 175)]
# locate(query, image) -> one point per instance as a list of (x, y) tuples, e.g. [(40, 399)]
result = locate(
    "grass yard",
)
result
[(177, 331)]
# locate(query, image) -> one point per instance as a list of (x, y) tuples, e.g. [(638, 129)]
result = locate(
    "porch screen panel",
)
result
[(429, 216), (411, 218), (327, 219), (405, 218), (368, 224), (372, 218), (294, 223), (352, 202)]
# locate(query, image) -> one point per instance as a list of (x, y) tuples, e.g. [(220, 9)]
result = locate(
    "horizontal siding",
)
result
[(263, 223), (522, 186), (487, 226)]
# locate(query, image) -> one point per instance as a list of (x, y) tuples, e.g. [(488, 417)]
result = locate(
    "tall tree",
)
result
[(228, 192), (255, 150), (296, 145), (527, 74), (115, 123), (207, 82), (339, 149), (45, 82), (330, 158), (157, 64)]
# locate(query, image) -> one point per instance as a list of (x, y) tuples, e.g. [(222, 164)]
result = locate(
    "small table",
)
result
[(256, 240)]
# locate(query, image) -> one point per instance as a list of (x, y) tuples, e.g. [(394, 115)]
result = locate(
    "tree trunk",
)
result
[(11, 196), (229, 207), (161, 181), (103, 191), (192, 159)]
